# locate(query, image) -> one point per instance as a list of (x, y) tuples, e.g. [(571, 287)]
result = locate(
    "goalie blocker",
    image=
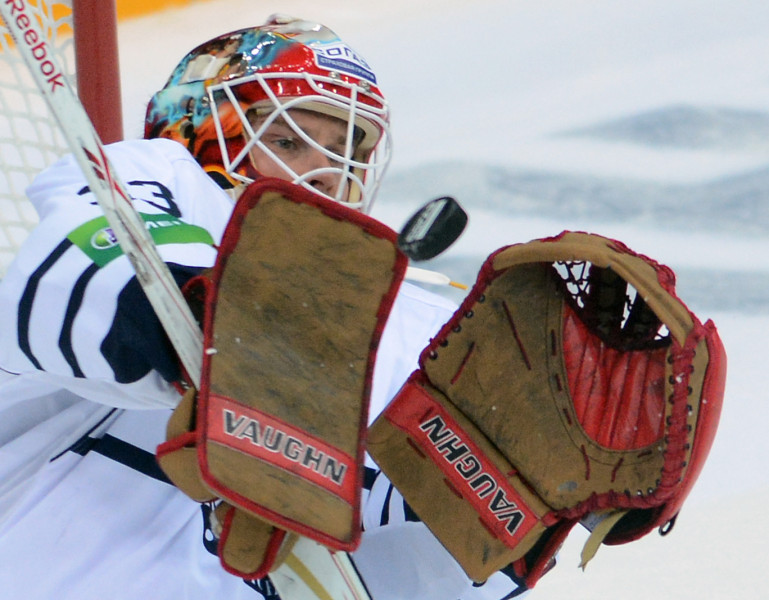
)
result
[(292, 312), (555, 395)]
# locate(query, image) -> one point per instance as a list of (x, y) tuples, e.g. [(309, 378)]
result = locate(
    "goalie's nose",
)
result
[(323, 174)]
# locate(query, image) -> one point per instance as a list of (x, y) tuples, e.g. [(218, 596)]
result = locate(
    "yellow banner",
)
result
[(135, 8)]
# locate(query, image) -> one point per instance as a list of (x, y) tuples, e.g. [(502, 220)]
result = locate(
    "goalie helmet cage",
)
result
[(83, 35)]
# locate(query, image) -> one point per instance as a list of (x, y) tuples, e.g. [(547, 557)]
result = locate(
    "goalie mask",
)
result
[(249, 103)]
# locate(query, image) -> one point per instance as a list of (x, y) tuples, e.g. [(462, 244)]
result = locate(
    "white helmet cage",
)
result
[(367, 147)]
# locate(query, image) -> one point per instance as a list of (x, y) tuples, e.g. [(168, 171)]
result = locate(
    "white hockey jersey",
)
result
[(85, 394)]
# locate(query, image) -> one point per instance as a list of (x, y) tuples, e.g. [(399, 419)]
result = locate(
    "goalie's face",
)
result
[(345, 122), (279, 93), (305, 147)]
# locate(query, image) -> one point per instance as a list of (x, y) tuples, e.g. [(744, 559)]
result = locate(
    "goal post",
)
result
[(83, 34), (97, 65)]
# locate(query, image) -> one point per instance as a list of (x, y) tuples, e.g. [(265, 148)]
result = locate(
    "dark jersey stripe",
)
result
[(75, 300), (28, 299)]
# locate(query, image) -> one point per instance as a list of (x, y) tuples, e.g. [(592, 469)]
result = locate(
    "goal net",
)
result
[(30, 138)]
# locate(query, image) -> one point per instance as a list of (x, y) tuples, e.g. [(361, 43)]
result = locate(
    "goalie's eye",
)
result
[(285, 148)]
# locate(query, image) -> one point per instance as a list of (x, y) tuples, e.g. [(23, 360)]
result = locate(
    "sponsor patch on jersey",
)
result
[(99, 243), (338, 56)]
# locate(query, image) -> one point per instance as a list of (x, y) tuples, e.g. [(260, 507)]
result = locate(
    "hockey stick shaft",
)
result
[(432, 277), (111, 194)]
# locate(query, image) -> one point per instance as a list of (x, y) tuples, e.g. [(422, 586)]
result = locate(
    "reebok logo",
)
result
[(26, 33)]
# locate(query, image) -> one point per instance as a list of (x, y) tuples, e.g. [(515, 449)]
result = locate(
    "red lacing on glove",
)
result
[(618, 396)]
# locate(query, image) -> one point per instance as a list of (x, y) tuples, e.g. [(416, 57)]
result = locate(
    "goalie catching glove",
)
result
[(553, 395), (292, 315)]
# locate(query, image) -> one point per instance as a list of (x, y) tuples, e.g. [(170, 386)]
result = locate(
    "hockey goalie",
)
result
[(571, 386)]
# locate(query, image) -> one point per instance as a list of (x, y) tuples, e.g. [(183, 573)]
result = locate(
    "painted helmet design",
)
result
[(225, 94)]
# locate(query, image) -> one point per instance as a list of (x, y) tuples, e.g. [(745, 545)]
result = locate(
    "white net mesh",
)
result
[(29, 137)]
